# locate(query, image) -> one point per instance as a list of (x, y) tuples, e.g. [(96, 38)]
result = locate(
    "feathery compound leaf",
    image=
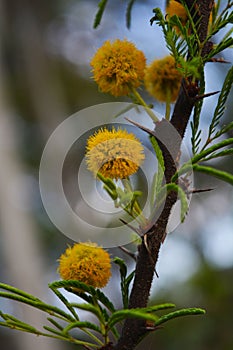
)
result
[(89, 307), (222, 20), (186, 167), (223, 130), (226, 152), (84, 324), (64, 300), (158, 307), (55, 323), (222, 175), (220, 108), (104, 300), (38, 305), (118, 316), (18, 291), (125, 280), (158, 177), (224, 44), (180, 313), (101, 5), (13, 322), (196, 132), (82, 287), (122, 265)]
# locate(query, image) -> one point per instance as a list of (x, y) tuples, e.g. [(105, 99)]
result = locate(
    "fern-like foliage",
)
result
[(219, 110), (183, 45)]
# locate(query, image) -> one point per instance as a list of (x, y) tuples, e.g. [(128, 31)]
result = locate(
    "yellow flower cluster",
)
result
[(162, 79), (87, 263), (118, 67), (175, 8), (114, 153)]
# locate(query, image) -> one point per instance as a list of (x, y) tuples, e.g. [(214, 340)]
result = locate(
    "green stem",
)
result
[(144, 104), (222, 175)]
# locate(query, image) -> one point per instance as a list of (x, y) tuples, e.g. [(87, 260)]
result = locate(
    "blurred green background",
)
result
[(45, 49)]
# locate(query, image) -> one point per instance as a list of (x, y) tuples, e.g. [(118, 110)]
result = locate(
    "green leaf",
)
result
[(125, 283), (196, 132), (158, 307), (179, 313), (96, 293), (122, 265), (101, 5), (18, 291), (210, 150), (201, 157), (64, 300), (82, 287), (54, 331), (222, 20), (90, 308), (129, 12), (39, 305), (220, 108), (223, 130), (82, 325), (54, 323), (159, 176), (125, 280), (222, 175), (104, 300), (118, 316), (226, 152), (13, 322)]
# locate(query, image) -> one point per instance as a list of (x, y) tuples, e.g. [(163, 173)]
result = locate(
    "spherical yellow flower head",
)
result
[(116, 154), (175, 8), (162, 79), (86, 262), (118, 66)]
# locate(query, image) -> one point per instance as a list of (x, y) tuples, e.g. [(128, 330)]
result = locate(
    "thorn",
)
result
[(151, 132), (219, 60), (150, 328), (128, 252), (164, 237), (200, 190), (200, 97), (131, 227)]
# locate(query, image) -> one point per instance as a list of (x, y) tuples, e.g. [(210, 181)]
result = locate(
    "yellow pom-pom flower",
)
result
[(114, 153), (162, 79), (87, 263), (175, 8), (118, 67)]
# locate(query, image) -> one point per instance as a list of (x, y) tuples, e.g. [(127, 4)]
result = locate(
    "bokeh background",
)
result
[(45, 49)]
